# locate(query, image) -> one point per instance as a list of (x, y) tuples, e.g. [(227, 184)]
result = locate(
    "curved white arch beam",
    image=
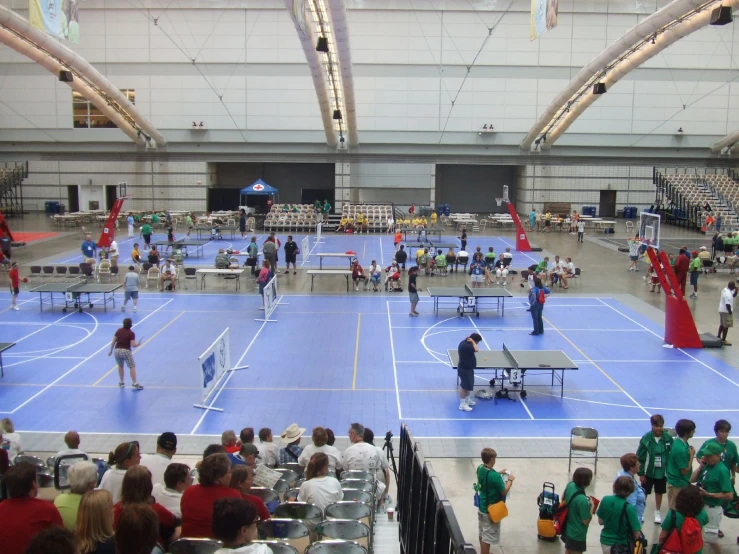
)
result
[(727, 142), (640, 32), (340, 27), (36, 55), (16, 23), (308, 42)]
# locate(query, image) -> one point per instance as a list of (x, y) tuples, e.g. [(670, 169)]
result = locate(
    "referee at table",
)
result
[(466, 370)]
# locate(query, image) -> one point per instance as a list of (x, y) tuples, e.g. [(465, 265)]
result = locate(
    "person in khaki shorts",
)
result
[(714, 480), (726, 312), (491, 489), (680, 460)]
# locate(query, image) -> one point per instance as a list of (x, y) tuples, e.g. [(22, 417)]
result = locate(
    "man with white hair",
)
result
[(360, 456), (82, 477)]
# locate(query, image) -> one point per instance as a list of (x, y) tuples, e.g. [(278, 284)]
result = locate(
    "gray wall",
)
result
[(289, 178), (473, 188)]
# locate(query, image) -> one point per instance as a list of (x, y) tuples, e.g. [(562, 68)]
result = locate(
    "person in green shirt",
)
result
[(680, 460), (188, 222), (689, 503), (154, 218), (145, 231), (82, 477), (611, 512), (490, 255), (542, 265), (491, 489), (653, 450), (714, 481), (729, 454), (326, 208), (580, 511), (695, 267)]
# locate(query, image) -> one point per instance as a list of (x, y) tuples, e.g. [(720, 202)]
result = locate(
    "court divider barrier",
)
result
[(426, 520)]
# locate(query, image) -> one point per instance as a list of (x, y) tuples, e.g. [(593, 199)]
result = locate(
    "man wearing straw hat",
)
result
[(291, 438)]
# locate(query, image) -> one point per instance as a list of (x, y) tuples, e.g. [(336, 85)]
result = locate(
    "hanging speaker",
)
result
[(322, 45), (722, 16), (337, 115), (66, 76), (599, 88)]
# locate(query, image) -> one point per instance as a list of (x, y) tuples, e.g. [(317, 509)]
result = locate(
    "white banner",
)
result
[(543, 17), (214, 363), (270, 297), (305, 248)]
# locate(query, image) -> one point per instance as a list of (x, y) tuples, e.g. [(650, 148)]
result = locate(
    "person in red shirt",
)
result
[(197, 500), (15, 283), (123, 340), (242, 477), (136, 489), (412, 210), (682, 264), (23, 515), (228, 440)]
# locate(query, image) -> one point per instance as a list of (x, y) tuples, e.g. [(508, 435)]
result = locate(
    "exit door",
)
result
[(73, 198), (111, 194), (607, 206)]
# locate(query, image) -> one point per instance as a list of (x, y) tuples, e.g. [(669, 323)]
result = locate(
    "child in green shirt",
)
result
[(652, 452)]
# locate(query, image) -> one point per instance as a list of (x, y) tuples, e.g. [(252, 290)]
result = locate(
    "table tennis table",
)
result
[(73, 293), (182, 244), (428, 244), (216, 230), (469, 299), (415, 234), (3, 347), (514, 365)]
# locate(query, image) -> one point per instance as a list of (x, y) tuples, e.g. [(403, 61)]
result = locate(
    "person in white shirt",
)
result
[(157, 463), (568, 271), (320, 439), (11, 441), (126, 455), (177, 478), (555, 270), (72, 440), (113, 253), (319, 489), (269, 452), (501, 270), (383, 471), (390, 224), (130, 221), (375, 275), (360, 455), (235, 525), (580, 230), (726, 312)]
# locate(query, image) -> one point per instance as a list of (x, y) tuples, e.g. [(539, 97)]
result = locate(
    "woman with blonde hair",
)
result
[(319, 489), (11, 440), (95, 523), (137, 489)]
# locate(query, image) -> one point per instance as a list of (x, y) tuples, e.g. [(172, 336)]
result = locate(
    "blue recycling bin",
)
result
[(447, 210)]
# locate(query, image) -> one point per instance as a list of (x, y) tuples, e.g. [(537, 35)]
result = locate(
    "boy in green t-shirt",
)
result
[(680, 460), (714, 480), (652, 452), (729, 454), (491, 489), (579, 513)]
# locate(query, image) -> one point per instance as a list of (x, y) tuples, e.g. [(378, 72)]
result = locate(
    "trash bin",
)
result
[(621, 213), (62, 209), (49, 204)]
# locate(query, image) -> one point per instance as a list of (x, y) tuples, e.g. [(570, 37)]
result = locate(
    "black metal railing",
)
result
[(426, 520), (12, 175), (674, 208)]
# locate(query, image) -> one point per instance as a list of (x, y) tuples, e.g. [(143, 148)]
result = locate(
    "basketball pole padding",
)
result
[(522, 241)]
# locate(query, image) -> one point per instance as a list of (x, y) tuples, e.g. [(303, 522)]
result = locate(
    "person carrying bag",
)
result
[(490, 492)]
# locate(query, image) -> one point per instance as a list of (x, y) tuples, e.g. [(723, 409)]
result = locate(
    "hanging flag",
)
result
[(543, 17), (59, 18)]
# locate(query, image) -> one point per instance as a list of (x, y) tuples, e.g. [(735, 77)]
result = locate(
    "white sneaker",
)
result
[(465, 407), (657, 516), (134, 308), (505, 283), (470, 401), (16, 308)]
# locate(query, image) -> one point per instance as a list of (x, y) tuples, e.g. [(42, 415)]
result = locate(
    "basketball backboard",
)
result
[(649, 228)]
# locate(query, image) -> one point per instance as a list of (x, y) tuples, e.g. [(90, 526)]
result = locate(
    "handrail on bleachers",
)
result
[(426, 519)]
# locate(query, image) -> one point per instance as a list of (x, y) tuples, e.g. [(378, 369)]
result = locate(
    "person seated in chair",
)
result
[(392, 281), (342, 225), (136, 254), (167, 275), (462, 259), (441, 262), (154, 258), (705, 258), (451, 258), (222, 260), (490, 256), (506, 257), (489, 269)]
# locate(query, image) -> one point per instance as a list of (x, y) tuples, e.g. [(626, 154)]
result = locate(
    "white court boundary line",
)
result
[(392, 351), (106, 345)]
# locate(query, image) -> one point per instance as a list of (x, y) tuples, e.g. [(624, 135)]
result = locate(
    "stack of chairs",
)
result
[(376, 214)]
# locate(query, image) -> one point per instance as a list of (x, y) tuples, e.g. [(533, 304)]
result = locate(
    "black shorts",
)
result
[(15, 291), (147, 239), (660, 486), (290, 258), (571, 544), (466, 378), (547, 223)]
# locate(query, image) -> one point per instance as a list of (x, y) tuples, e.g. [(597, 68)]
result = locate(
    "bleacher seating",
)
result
[(376, 214), (721, 192), (304, 219)]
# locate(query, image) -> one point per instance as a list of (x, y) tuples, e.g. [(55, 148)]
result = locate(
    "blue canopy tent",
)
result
[(259, 188)]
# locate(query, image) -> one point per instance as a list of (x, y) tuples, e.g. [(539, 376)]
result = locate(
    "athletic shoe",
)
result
[(137, 386), (261, 308), (121, 384), (725, 343), (695, 295), (470, 401), (295, 272), (657, 516), (465, 407), (16, 308), (123, 308), (134, 308)]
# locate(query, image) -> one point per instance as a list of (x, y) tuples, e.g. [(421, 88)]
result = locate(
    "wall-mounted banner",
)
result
[(543, 17), (59, 18)]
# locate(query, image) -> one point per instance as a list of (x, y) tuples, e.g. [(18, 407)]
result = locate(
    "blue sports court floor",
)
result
[(330, 360)]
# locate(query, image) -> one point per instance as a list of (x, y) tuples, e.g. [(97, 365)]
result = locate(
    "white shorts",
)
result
[(478, 278), (488, 531), (501, 272), (710, 530)]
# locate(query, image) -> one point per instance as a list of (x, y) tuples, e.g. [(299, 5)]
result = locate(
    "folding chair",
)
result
[(345, 529), (294, 466), (194, 546), (291, 531), (350, 510), (584, 439), (311, 514), (152, 275), (270, 497), (278, 547)]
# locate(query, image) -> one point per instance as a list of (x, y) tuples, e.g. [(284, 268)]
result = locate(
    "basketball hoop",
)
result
[(499, 201)]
